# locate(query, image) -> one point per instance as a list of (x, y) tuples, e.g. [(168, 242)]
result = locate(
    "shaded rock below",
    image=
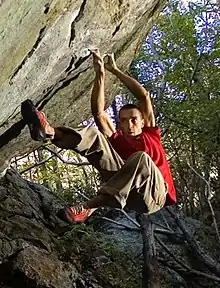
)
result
[(39, 250), (34, 267), (28, 238)]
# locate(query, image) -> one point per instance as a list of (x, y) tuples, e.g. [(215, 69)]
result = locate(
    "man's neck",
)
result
[(133, 137)]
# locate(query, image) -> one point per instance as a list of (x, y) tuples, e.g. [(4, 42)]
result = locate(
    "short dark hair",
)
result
[(129, 106)]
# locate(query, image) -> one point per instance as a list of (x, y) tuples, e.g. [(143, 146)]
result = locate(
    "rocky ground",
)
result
[(39, 250)]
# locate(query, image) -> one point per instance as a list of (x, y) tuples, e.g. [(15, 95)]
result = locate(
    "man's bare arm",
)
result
[(101, 118), (136, 89)]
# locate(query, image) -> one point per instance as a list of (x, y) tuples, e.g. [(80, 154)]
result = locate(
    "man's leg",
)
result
[(88, 142), (138, 184), (92, 144)]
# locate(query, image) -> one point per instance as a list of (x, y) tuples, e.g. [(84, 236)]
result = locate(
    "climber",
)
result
[(131, 160)]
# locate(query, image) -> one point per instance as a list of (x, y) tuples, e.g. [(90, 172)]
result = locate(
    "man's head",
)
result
[(131, 120)]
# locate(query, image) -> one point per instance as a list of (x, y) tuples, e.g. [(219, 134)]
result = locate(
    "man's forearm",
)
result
[(133, 85), (98, 95)]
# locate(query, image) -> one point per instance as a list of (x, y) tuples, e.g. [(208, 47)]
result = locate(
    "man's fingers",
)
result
[(95, 52), (111, 57), (106, 58), (96, 55)]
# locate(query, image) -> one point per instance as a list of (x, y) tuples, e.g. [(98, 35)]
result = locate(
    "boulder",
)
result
[(45, 56), (39, 250), (30, 251)]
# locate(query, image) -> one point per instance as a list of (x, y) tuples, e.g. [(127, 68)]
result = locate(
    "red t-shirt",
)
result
[(149, 142)]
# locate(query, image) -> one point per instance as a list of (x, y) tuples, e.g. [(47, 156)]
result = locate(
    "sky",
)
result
[(184, 3)]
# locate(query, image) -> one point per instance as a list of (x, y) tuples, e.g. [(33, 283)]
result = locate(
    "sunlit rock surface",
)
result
[(44, 56)]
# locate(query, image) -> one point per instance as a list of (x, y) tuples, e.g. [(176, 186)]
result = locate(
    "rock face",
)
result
[(28, 237), (44, 56), (39, 250), (25, 238)]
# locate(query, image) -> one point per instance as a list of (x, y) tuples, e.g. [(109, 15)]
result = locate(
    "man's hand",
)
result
[(98, 62), (109, 62)]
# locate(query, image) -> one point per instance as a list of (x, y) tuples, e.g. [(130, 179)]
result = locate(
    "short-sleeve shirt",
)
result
[(148, 141)]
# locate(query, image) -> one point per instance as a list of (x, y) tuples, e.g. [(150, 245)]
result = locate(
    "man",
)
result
[(131, 161)]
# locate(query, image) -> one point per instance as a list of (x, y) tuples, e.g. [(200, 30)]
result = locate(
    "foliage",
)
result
[(179, 62), (73, 183)]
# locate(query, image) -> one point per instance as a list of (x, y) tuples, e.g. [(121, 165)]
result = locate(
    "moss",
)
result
[(88, 251)]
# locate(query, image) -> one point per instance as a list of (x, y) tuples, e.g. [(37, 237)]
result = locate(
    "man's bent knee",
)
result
[(140, 155)]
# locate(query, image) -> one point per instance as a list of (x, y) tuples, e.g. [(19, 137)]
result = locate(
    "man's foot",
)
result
[(75, 214), (36, 121)]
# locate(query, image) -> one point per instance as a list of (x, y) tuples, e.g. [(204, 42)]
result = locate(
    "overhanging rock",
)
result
[(44, 56)]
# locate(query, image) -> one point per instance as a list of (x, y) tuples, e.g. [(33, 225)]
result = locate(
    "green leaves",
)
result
[(179, 63)]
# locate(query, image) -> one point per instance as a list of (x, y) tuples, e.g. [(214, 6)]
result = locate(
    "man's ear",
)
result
[(142, 123)]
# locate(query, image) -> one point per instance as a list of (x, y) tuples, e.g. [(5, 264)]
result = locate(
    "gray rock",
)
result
[(44, 56), (3, 192), (37, 266), (31, 252), (27, 240)]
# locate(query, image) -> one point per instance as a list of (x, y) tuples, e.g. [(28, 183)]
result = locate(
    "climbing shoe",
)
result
[(36, 121), (74, 214)]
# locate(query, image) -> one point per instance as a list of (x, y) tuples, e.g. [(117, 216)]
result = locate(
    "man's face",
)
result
[(131, 122)]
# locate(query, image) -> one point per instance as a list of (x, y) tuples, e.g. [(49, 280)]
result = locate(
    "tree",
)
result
[(179, 62)]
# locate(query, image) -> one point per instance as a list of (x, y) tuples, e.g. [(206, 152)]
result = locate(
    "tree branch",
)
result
[(149, 252), (191, 273), (54, 153), (198, 253), (66, 161), (36, 164), (128, 217), (208, 200), (119, 224)]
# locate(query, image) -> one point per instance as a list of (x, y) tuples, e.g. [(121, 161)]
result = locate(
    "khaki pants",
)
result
[(136, 183)]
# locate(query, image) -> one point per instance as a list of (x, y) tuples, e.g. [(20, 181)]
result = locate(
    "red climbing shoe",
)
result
[(36, 121), (75, 214)]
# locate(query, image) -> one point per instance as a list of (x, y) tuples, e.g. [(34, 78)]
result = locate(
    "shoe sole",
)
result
[(64, 215), (28, 112)]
